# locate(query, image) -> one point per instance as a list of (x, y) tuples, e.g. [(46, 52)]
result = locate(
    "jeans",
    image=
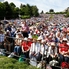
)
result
[(63, 59), (17, 50), (38, 56)]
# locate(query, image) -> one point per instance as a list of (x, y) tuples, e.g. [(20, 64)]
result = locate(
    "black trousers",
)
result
[(26, 54), (2, 45), (25, 34)]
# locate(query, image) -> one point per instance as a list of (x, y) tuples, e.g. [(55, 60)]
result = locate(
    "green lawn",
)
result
[(10, 63)]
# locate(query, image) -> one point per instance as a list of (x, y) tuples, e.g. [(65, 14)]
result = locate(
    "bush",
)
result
[(11, 63), (25, 16), (67, 15)]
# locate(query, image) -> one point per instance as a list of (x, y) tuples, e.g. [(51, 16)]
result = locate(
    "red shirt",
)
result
[(25, 45), (29, 43), (63, 47)]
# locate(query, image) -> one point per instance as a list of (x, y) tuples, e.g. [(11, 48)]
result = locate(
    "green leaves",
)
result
[(10, 63), (11, 11)]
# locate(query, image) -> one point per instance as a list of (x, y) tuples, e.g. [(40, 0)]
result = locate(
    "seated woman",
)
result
[(25, 47), (64, 51), (17, 48)]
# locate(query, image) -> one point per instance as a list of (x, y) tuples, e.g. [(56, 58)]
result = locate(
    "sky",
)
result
[(45, 5)]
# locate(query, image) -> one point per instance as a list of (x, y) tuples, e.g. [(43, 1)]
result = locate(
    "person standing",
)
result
[(25, 29)]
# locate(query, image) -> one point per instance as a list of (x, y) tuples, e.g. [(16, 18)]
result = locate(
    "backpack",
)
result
[(22, 58), (65, 65)]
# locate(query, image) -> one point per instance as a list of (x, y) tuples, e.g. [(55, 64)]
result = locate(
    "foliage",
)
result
[(28, 10), (2, 10), (10, 63), (51, 10), (9, 10), (25, 16), (34, 11), (55, 12), (42, 12), (67, 14)]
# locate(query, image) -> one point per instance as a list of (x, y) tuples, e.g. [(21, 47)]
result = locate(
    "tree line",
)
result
[(10, 11)]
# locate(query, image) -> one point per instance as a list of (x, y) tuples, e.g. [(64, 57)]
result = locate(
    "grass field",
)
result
[(10, 63)]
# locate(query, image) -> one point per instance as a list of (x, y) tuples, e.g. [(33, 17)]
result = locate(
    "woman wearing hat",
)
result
[(30, 39), (64, 51), (18, 40), (25, 47)]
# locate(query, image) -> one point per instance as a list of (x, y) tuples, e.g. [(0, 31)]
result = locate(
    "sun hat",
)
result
[(40, 38), (52, 43), (30, 36), (42, 41), (25, 39), (64, 39)]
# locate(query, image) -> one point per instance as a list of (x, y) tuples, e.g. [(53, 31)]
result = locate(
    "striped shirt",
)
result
[(2, 37)]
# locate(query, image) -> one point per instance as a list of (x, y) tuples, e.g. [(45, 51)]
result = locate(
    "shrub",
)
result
[(25, 16), (11, 63)]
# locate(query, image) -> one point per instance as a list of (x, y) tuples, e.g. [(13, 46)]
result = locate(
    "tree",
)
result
[(8, 10), (42, 12), (17, 12), (27, 10), (51, 10), (2, 10), (35, 11), (12, 5), (22, 9), (21, 6), (67, 10), (13, 10)]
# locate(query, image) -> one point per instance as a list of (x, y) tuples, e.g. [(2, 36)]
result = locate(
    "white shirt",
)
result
[(50, 50), (44, 49), (32, 49), (35, 47)]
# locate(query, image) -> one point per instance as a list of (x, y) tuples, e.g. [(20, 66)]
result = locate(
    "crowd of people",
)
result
[(43, 38)]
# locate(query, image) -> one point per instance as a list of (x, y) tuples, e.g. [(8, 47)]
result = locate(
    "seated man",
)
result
[(52, 51), (17, 48), (35, 50), (44, 49), (8, 42)]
